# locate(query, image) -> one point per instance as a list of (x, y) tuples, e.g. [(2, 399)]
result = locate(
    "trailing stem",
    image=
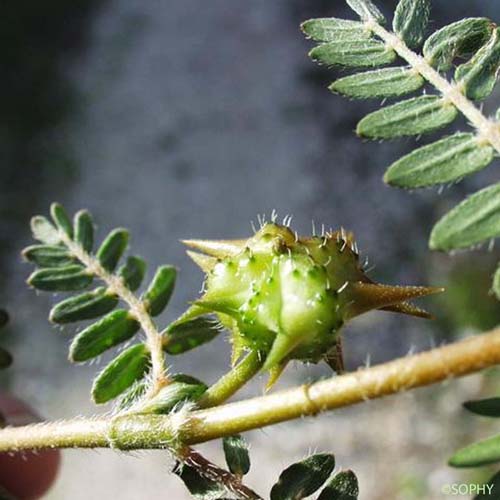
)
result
[(137, 308), (157, 431)]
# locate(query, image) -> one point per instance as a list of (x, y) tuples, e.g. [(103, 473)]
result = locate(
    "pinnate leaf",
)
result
[(303, 478), (184, 336), (344, 486), (128, 367), (113, 329), (61, 279), (410, 21), (471, 222), (460, 39), (387, 82), (112, 248), (334, 30), (356, 54), (447, 160), (411, 117), (236, 454), (160, 290)]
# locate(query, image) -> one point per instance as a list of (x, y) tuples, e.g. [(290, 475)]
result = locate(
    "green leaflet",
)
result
[(460, 39), (132, 272), (493, 491), (344, 486), (113, 329), (61, 219), (160, 290), (182, 388), (481, 453), (356, 54), (236, 454), (410, 21), (200, 487), (84, 230), (479, 76), (335, 30), (88, 305), (388, 82), (496, 283), (473, 221), (182, 337), (61, 279), (484, 407), (411, 117), (303, 478), (113, 248), (128, 367), (366, 10), (447, 160), (48, 255), (44, 231)]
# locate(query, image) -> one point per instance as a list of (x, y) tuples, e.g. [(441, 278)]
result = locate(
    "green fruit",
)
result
[(287, 296)]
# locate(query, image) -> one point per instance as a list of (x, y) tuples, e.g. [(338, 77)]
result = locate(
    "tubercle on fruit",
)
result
[(288, 296)]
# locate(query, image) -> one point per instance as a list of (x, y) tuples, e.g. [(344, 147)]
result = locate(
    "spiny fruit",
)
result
[(288, 297)]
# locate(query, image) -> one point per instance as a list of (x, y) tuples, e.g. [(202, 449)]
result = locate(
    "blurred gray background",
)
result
[(188, 119)]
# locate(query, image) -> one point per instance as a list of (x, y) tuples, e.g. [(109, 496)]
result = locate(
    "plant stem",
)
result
[(137, 309), (488, 130), (232, 381), (158, 431)]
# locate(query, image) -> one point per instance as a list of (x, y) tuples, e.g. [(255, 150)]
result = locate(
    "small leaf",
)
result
[(182, 388), (479, 76), (44, 231), (113, 329), (160, 290), (447, 160), (4, 318), (128, 367), (236, 453), (200, 487), (84, 230), (303, 478), (410, 21), (356, 54), (496, 283), (182, 337), (112, 248), (5, 359), (388, 82), (132, 272), (484, 407), (61, 219), (48, 255), (473, 221), (335, 30), (481, 453), (61, 279), (85, 306), (460, 39), (491, 489), (411, 117), (344, 486), (366, 10)]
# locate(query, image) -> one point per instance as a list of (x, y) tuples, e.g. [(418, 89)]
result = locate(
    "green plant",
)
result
[(475, 44)]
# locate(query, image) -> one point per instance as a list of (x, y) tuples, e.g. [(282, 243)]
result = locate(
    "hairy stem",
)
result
[(488, 130), (137, 309), (232, 381), (158, 431)]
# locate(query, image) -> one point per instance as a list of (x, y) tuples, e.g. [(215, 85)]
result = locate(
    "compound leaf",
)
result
[(447, 160), (471, 222), (128, 367), (410, 21), (411, 117), (387, 82)]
